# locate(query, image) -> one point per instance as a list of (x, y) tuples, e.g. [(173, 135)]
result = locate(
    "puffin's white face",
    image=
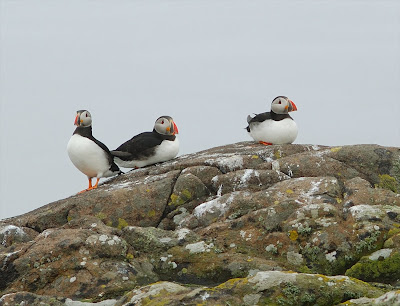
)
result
[(83, 118), (165, 125), (282, 105)]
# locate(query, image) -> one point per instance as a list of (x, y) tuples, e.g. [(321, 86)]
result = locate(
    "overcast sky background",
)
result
[(208, 64)]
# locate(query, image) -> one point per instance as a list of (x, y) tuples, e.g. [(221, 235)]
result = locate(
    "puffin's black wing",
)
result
[(266, 116), (140, 146), (258, 118), (113, 166), (87, 132), (261, 117)]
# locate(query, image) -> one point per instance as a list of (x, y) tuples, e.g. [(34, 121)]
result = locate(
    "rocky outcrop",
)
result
[(243, 224)]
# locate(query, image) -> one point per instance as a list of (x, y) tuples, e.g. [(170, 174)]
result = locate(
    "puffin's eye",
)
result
[(280, 102), (162, 122), (86, 115)]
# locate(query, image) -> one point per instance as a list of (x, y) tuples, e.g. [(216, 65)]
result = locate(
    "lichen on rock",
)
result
[(243, 224)]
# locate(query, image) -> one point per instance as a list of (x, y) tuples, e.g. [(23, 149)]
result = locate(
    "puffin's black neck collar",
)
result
[(85, 131), (162, 136), (279, 117)]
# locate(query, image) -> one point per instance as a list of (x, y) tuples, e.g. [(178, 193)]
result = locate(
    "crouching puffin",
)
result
[(276, 126), (89, 155), (149, 147)]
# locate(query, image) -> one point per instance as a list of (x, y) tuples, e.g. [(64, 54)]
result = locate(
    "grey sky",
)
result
[(208, 64)]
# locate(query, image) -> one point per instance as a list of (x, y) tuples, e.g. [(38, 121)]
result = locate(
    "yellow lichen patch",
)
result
[(340, 279), (276, 202), (69, 218), (388, 243), (289, 191), (176, 200), (278, 154), (323, 277), (293, 235), (338, 200), (151, 213), (388, 182), (187, 194), (122, 223), (101, 216), (129, 256), (229, 284), (254, 157), (393, 231), (336, 149)]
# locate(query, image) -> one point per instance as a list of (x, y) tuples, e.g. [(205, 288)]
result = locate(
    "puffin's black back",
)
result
[(87, 132), (267, 116), (141, 146)]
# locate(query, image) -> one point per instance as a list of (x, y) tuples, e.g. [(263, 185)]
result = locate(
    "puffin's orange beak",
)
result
[(76, 120), (175, 128), (292, 106)]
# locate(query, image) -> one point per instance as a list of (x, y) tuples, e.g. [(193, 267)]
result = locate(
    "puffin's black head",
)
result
[(282, 105), (165, 125), (83, 118)]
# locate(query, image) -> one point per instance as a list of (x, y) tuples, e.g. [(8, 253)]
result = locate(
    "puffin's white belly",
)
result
[(275, 132), (165, 151), (88, 157)]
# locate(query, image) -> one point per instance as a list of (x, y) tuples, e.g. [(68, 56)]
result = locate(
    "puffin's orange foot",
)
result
[(90, 186), (265, 143)]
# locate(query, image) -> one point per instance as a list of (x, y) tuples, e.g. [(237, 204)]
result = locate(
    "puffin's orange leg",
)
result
[(265, 143), (90, 186), (97, 182), (95, 186)]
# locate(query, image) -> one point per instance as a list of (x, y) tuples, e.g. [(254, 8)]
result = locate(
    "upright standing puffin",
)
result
[(275, 127), (89, 155), (149, 147)]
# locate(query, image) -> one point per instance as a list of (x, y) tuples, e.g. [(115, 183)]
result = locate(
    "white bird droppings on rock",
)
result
[(231, 162), (103, 238), (199, 247), (383, 253), (165, 240), (268, 279), (182, 233), (331, 256)]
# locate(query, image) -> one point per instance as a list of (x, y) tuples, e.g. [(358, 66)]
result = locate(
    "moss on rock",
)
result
[(384, 269)]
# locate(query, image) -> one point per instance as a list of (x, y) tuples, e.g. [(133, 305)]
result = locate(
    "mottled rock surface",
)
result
[(243, 224)]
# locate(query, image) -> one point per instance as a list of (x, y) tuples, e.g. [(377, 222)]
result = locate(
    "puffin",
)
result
[(89, 155), (149, 148), (276, 126)]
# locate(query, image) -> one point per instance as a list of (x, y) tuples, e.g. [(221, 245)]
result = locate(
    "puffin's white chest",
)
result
[(88, 157), (275, 132), (166, 150)]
